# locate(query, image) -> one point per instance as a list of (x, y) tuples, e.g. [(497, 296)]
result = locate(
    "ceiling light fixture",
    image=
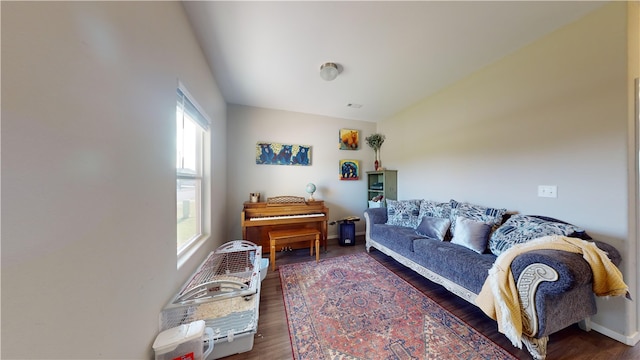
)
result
[(329, 71)]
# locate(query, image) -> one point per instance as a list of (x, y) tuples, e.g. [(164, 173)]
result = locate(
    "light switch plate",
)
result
[(549, 191)]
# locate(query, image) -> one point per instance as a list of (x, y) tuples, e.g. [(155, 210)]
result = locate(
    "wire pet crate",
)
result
[(222, 293), (228, 271)]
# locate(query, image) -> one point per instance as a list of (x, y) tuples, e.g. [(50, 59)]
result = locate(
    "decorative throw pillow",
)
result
[(435, 209), (403, 212), (580, 233), (489, 216), (471, 234), (433, 227), (522, 228)]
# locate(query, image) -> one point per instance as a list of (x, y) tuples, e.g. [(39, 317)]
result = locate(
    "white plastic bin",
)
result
[(264, 266), (185, 342)]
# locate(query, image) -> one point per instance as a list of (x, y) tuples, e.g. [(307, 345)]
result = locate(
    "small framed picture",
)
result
[(349, 139), (349, 170)]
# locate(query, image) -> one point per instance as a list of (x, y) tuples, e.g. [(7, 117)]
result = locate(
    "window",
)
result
[(191, 128)]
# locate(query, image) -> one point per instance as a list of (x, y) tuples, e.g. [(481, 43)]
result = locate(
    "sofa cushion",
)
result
[(433, 227), (489, 216), (435, 209), (396, 238), (519, 229), (462, 266), (471, 234), (403, 212)]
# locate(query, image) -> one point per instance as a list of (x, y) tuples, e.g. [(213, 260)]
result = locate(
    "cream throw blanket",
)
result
[(499, 295)]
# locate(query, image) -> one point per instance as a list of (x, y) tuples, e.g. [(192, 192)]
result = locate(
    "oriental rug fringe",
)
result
[(353, 307)]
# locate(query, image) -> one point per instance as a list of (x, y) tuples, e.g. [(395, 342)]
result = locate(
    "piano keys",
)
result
[(278, 217), (281, 213)]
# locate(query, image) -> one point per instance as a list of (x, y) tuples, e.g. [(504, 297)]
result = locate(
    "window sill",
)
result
[(185, 254)]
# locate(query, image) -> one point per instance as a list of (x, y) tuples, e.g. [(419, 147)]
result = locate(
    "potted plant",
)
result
[(375, 142)]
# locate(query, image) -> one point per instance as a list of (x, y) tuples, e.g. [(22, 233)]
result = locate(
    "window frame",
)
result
[(202, 176)]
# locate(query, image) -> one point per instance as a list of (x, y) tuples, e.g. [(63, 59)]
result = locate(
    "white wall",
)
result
[(249, 125), (553, 113), (88, 173), (633, 45)]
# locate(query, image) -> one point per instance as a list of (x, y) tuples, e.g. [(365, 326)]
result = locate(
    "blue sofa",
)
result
[(555, 286)]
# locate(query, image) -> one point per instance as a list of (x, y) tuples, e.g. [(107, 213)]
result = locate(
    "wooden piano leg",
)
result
[(325, 234), (272, 255), (318, 247)]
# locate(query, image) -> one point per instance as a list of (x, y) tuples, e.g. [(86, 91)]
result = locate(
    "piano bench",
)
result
[(282, 237)]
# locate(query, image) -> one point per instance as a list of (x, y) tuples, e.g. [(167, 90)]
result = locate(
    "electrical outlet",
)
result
[(548, 191)]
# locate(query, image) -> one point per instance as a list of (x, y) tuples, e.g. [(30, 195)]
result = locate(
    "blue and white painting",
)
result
[(349, 170), (282, 154)]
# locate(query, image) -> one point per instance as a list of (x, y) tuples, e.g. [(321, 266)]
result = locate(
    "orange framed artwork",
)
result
[(349, 139)]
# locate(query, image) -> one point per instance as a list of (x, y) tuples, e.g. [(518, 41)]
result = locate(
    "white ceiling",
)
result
[(392, 54)]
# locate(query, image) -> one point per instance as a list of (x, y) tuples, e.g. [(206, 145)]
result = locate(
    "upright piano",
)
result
[(280, 213)]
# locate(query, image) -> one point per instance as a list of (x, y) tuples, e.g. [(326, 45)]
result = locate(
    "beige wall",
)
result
[(249, 125), (553, 113), (633, 79), (88, 173)]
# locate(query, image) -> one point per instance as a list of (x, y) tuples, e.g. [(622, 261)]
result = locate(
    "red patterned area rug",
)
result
[(352, 307)]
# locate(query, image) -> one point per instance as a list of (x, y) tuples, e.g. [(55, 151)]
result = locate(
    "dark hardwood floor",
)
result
[(272, 338)]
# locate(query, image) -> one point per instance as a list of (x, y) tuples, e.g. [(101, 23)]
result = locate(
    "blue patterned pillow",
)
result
[(435, 209), (489, 216), (522, 228), (403, 212)]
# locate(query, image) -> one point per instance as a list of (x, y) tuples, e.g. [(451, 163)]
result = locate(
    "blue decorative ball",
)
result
[(311, 188)]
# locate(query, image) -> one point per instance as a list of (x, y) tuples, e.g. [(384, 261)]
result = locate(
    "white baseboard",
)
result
[(627, 340)]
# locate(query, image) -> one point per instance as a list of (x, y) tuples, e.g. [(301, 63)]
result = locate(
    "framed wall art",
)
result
[(349, 170), (349, 139), (282, 154)]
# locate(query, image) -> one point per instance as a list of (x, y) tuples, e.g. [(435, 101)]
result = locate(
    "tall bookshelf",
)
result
[(384, 182)]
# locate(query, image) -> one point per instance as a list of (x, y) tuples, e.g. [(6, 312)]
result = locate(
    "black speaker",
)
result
[(347, 233)]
